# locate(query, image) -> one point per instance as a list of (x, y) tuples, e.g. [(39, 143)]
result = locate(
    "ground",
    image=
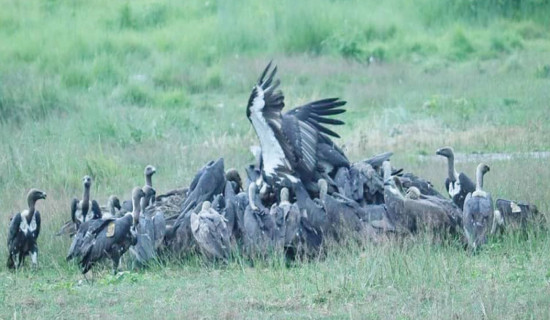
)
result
[(104, 88)]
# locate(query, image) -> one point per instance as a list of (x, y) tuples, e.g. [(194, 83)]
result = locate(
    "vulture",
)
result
[(424, 186), (260, 230), (233, 176), (211, 233), (150, 230), (313, 209), (107, 238), (112, 208), (23, 232), (208, 182), (362, 181), (155, 220), (295, 145), (84, 210), (411, 213), (313, 220), (450, 208), (291, 232), (291, 215), (458, 185), (233, 209), (148, 172), (478, 214), (343, 214), (513, 215)]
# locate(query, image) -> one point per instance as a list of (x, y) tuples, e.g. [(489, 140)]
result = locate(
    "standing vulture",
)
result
[(111, 210), (106, 238), (458, 185), (150, 230), (208, 182), (478, 214), (294, 145), (84, 210), (148, 172), (210, 230), (24, 231), (260, 230)]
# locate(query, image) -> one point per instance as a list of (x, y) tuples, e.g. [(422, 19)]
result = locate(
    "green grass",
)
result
[(104, 88)]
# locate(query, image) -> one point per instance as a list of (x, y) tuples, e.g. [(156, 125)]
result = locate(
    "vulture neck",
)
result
[(323, 188), (149, 180), (479, 179), (86, 197), (451, 167), (252, 195), (284, 197), (397, 189), (112, 207), (31, 202), (137, 209), (386, 167)]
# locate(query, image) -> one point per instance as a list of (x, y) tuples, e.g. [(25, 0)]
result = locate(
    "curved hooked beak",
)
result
[(44, 195)]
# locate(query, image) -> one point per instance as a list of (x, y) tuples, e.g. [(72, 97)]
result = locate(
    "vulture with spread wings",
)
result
[(294, 145)]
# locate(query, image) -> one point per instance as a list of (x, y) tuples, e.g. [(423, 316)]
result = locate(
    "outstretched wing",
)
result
[(305, 128), (317, 114), (289, 141), (264, 112), (265, 98)]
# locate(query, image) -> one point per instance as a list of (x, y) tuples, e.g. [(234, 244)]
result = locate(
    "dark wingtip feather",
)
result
[(327, 131), (327, 120), (262, 76), (330, 112)]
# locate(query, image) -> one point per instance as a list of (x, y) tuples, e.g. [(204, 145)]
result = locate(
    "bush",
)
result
[(461, 47)]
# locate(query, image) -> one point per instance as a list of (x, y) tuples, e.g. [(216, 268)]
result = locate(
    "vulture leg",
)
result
[(20, 260), (115, 256), (34, 257)]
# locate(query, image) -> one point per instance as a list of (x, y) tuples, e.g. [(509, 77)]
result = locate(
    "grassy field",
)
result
[(105, 87)]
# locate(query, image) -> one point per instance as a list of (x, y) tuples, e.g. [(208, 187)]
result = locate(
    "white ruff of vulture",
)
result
[(478, 214), (294, 145), (24, 231)]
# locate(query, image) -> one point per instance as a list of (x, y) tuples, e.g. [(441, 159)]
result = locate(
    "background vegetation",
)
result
[(106, 87)]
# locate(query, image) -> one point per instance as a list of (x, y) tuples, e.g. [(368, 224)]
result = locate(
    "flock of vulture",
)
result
[(300, 193)]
